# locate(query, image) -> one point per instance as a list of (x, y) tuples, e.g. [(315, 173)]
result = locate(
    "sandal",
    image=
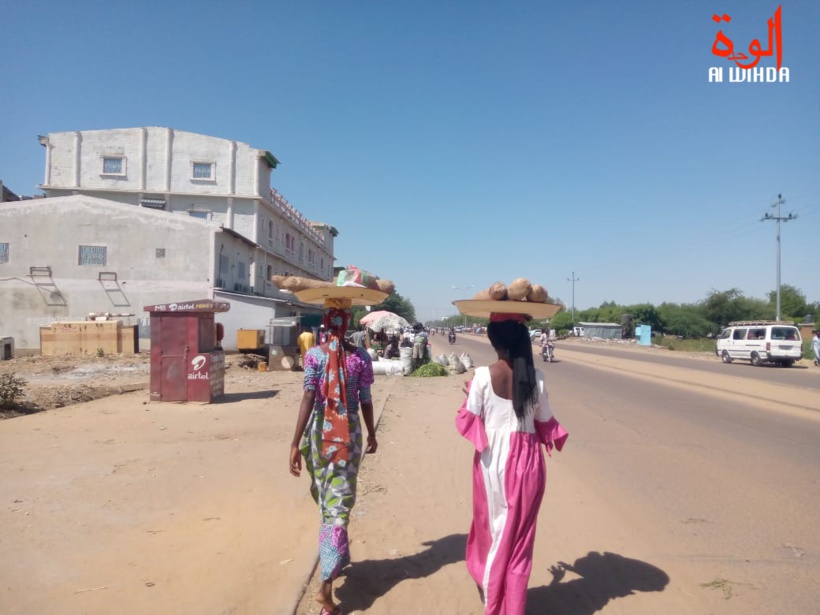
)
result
[(336, 611)]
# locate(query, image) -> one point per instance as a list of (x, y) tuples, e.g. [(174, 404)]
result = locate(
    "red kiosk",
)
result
[(187, 361)]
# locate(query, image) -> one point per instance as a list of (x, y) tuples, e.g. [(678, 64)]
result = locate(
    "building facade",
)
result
[(218, 180), (142, 216)]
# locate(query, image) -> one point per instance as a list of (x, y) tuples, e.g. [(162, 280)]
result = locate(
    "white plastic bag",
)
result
[(455, 364), (406, 358), (466, 361)]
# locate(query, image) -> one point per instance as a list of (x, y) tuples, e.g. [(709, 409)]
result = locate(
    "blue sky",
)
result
[(457, 143)]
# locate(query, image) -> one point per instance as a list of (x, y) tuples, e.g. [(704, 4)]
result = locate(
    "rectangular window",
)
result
[(93, 255), (202, 170), (113, 165), (202, 215), (160, 252), (4, 252)]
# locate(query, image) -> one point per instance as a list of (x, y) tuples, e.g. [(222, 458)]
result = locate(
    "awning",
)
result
[(153, 203)]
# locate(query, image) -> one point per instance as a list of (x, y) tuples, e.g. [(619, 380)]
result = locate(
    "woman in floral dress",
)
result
[(328, 436)]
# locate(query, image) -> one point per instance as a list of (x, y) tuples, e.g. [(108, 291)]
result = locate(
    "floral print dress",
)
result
[(333, 485)]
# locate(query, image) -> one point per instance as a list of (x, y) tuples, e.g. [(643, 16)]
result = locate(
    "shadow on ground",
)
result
[(603, 577), (367, 581), (229, 398)]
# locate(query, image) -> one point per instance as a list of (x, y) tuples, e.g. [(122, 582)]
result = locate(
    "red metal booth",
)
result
[(187, 361)]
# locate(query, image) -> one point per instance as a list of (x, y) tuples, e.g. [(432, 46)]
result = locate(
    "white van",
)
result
[(760, 342)]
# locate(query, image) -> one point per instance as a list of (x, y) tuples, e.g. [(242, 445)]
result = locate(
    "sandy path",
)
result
[(124, 506)]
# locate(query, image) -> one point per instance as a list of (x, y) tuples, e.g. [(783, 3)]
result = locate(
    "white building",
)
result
[(142, 216), (214, 179)]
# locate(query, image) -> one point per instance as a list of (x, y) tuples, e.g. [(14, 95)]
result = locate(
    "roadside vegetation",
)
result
[(686, 327)]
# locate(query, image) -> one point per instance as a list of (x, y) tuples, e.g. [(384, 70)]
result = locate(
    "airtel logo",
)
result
[(197, 362)]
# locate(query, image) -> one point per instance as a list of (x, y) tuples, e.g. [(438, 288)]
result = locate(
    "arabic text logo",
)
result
[(746, 68)]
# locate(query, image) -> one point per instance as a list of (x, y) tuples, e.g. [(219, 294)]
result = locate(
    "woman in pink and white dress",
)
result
[(507, 417)]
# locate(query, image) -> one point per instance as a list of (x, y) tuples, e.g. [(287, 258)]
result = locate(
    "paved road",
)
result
[(718, 490), (802, 374)]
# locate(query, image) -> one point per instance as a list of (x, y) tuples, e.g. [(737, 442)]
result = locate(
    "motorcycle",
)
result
[(547, 352), (452, 337)]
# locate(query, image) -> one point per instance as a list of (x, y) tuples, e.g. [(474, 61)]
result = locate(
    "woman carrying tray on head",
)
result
[(328, 435), (507, 417)]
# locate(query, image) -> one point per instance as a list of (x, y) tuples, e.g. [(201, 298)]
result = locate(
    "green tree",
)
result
[(645, 314), (685, 320), (792, 301), (562, 321)]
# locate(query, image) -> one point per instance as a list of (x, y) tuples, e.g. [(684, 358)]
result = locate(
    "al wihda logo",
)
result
[(747, 69)]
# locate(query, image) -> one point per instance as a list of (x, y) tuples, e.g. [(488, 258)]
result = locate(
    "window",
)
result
[(113, 165), (202, 170), (202, 215), (160, 252), (270, 228), (93, 255), (4, 252), (739, 334)]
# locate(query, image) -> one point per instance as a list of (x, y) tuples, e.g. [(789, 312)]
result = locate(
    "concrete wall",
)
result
[(156, 160), (151, 257), (256, 313)]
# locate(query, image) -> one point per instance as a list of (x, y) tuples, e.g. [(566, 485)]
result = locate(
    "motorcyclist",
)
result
[(452, 337), (546, 343)]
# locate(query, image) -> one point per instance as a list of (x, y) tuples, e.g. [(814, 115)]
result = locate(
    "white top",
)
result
[(498, 413)]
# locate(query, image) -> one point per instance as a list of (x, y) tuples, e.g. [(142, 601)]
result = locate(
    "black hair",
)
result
[(512, 339)]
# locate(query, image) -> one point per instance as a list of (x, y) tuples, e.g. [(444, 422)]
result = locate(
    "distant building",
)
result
[(143, 216), (604, 330)]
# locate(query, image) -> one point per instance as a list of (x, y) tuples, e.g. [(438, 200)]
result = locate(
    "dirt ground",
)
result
[(57, 382), (110, 503)]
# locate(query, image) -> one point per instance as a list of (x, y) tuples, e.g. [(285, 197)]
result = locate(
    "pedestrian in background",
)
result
[(305, 341)]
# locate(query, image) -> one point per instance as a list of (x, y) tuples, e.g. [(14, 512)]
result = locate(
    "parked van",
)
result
[(760, 342)]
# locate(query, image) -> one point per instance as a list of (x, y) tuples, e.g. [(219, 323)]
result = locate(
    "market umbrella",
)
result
[(371, 316), (387, 322)]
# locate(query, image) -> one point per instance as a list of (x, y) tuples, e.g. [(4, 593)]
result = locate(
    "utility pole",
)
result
[(573, 279), (767, 216)]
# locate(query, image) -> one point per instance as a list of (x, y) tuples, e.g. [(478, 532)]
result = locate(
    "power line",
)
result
[(767, 216)]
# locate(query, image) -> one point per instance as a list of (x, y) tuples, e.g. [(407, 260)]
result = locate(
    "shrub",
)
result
[(430, 369), (11, 390)]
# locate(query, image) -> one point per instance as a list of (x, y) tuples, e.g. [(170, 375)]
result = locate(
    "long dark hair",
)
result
[(512, 339)]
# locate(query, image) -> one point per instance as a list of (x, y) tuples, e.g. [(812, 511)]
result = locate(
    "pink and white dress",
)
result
[(509, 478)]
